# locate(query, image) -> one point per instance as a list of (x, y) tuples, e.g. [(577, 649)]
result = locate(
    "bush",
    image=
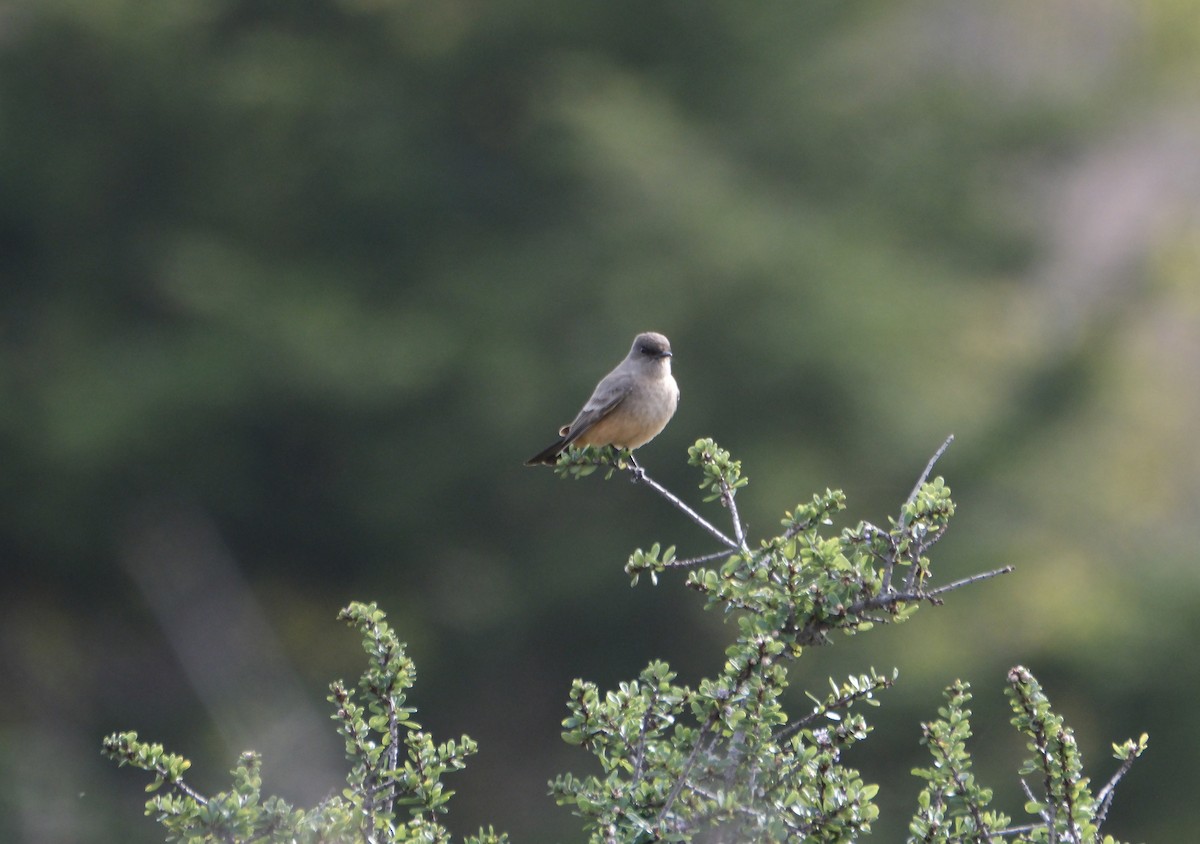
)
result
[(721, 762)]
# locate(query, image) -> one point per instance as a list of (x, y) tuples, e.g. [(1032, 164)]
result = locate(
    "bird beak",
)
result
[(666, 353)]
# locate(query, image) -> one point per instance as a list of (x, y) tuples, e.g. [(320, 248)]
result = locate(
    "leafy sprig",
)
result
[(394, 787)]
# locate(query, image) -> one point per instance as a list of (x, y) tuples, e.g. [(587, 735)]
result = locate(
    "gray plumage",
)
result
[(630, 405)]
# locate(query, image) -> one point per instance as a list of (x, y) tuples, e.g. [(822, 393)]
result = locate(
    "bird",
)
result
[(629, 407)]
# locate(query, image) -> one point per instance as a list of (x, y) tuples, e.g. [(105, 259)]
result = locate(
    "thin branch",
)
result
[(1106, 794), (799, 528), (697, 561), (708, 728), (967, 581), (687, 768), (639, 756), (929, 540), (1068, 791), (180, 785), (885, 600), (640, 476), (739, 532), (393, 750), (123, 753), (1029, 793), (960, 780), (757, 814), (1018, 830), (889, 560), (733, 757), (912, 496), (839, 703), (877, 619), (1042, 747), (816, 630)]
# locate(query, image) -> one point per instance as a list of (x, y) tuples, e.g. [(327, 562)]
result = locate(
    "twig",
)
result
[(910, 578), (870, 532), (1017, 830), (1106, 794), (960, 780), (800, 527), (967, 581), (739, 533), (697, 561), (816, 630), (750, 811), (1029, 793), (639, 475), (1068, 791), (639, 756), (912, 496), (183, 787), (394, 749), (709, 726), (838, 703), (687, 768), (1041, 745), (886, 599), (122, 752)]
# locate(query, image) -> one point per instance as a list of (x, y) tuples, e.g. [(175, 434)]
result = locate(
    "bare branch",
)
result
[(912, 496), (967, 581), (739, 533), (640, 476), (1029, 794), (887, 600), (1018, 830), (184, 788), (816, 631), (1106, 794), (698, 561)]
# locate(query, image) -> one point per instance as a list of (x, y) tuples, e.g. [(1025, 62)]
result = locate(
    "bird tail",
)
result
[(549, 455)]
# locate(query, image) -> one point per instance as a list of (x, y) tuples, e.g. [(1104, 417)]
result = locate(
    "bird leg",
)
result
[(635, 468)]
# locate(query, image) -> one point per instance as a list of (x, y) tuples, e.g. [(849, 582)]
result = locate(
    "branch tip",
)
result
[(937, 455)]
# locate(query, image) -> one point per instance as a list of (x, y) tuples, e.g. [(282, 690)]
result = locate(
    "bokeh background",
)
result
[(290, 291)]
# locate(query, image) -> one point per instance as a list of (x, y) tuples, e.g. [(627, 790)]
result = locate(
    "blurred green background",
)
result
[(290, 291)]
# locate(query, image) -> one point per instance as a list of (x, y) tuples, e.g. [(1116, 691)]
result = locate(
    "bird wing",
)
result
[(607, 397), (613, 389)]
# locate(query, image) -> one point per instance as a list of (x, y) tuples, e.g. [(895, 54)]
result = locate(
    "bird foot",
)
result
[(634, 469)]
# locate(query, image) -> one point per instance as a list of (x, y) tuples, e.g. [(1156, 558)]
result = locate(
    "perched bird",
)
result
[(630, 405)]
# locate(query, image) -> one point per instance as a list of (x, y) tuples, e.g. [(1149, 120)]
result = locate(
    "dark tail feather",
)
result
[(549, 456)]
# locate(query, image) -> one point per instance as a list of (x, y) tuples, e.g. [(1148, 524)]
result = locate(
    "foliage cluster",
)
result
[(722, 761), (387, 797)]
